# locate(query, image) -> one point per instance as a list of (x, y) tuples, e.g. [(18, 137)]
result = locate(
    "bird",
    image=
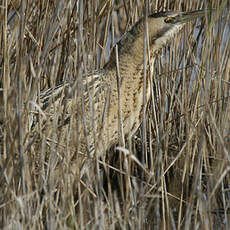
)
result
[(91, 102)]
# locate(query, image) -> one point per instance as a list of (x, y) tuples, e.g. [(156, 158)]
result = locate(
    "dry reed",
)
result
[(176, 176)]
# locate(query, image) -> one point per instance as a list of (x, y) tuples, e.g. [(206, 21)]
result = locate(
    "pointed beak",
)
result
[(184, 17)]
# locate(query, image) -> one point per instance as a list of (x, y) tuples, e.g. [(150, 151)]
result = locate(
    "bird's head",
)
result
[(164, 26)]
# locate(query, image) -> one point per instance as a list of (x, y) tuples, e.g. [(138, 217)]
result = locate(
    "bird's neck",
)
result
[(130, 48)]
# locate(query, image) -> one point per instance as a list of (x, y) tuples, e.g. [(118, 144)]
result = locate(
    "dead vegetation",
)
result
[(178, 178)]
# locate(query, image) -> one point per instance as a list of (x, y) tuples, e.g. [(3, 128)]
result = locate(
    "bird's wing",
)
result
[(86, 100)]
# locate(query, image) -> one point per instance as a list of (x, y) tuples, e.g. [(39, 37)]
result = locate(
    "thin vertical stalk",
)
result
[(6, 79), (122, 138), (20, 58), (144, 81)]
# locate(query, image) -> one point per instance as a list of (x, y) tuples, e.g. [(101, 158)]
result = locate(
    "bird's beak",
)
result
[(184, 17)]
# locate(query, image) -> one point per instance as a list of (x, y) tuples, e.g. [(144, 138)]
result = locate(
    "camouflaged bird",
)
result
[(91, 103)]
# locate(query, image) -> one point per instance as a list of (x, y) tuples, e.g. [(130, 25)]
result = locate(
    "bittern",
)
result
[(96, 103)]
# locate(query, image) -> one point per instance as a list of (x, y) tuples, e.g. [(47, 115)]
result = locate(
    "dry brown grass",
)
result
[(180, 181)]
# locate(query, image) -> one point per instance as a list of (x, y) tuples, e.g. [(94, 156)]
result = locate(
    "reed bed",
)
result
[(173, 174)]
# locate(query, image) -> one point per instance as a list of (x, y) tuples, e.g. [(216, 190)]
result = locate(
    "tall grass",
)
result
[(180, 181)]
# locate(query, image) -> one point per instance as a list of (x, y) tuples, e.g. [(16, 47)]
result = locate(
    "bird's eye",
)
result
[(169, 20)]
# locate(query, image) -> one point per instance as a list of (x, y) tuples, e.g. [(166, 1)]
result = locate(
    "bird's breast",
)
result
[(132, 99)]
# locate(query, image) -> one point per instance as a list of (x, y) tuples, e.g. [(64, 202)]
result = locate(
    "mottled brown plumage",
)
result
[(91, 103)]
